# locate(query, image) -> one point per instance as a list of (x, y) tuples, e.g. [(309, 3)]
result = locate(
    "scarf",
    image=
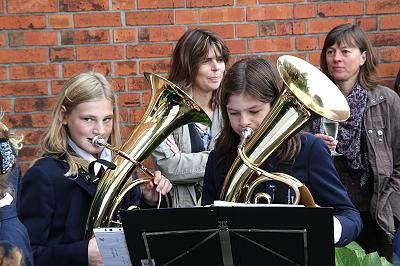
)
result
[(350, 136)]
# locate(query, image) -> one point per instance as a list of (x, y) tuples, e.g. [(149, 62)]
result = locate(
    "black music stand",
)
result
[(230, 236)]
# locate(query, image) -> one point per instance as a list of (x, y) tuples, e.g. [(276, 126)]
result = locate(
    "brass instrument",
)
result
[(308, 93), (168, 109)]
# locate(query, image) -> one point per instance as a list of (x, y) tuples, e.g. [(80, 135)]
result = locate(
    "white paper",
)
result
[(112, 246), (220, 203)]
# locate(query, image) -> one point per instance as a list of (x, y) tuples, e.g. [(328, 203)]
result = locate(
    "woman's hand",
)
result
[(159, 184), (172, 144), (94, 256), (330, 142)]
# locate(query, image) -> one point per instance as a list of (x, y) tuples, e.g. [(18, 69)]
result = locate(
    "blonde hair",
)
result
[(84, 87)]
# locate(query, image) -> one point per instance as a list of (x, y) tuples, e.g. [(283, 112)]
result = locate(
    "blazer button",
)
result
[(379, 132), (369, 131), (381, 97)]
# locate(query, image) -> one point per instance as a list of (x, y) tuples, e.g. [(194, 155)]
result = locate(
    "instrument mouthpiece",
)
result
[(98, 141)]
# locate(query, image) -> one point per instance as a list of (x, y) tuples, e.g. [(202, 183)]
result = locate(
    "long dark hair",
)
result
[(259, 78), (356, 37), (190, 51)]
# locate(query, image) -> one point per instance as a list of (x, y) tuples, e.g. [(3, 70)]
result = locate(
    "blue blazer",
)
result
[(54, 209), (314, 167)]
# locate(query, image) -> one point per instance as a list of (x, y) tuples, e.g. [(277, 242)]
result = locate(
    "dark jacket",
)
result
[(54, 209), (382, 124), (314, 167)]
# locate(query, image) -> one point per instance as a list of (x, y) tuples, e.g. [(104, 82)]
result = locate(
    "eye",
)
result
[(220, 59), (207, 60), (254, 112), (88, 119), (233, 113), (346, 51), (108, 120), (329, 52)]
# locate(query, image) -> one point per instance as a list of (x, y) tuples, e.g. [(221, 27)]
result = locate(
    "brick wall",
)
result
[(42, 43)]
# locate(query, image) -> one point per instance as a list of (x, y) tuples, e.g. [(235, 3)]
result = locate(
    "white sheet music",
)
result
[(112, 246), (220, 203)]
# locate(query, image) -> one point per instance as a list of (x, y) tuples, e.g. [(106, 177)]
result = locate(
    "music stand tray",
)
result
[(230, 236)]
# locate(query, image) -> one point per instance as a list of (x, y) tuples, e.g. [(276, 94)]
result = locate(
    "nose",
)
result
[(215, 66), (99, 129), (337, 56), (244, 121)]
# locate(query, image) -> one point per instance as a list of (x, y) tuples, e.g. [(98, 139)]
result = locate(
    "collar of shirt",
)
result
[(105, 155), (6, 200)]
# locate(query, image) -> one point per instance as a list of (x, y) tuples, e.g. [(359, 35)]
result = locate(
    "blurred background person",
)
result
[(199, 61), (368, 141), (14, 240)]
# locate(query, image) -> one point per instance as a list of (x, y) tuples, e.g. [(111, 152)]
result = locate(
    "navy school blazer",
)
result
[(54, 209), (314, 167)]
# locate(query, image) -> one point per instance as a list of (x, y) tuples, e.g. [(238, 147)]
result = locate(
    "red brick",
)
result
[(123, 118), (246, 30), (314, 58), (56, 86), (123, 5), (5, 105), (31, 6), (125, 68), (149, 18), (245, 2), (3, 73), (340, 9), (28, 120), (23, 88), (383, 7), (33, 71), (269, 12), (149, 50), (222, 15), (236, 46), (60, 21), (385, 38), (99, 52), (22, 22), (118, 84), (306, 43), (23, 55), (33, 38), (390, 22), (161, 34), (88, 5), (276, 28), (367, 24), (304, 11), (202, 3), (61, 54), (130, 99), (158, 4), (226, 31), (388, 70), (136, 116), (299, 27), (84, 37), (154, 66), (124, 35), (3, 41), (27, 153), (270, 45), (325, 25), (138, 83), (277, 1), (186, 16), (1, 7), (31, 137), (112, 19), (24, 105), (390, 54), (71, 69)]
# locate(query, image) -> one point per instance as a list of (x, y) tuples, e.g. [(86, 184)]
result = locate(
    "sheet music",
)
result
[(220, 203), (112, 246)]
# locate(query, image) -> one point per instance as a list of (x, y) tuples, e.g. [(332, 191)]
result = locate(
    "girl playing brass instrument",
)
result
[(57, 190), (250, 88)]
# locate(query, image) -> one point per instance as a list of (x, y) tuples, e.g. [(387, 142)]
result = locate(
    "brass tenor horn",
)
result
[(168, 109), (308, 93)]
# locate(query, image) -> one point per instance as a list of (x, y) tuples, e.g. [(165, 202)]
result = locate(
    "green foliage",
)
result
[(354, 255)]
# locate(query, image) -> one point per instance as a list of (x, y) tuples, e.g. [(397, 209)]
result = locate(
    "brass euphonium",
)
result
[(308, 93), (168, 109)]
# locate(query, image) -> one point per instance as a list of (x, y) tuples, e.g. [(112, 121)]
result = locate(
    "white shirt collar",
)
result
[(105, 155), (6, 200)]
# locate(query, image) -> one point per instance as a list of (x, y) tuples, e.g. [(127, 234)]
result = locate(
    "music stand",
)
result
[(230, 236)]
